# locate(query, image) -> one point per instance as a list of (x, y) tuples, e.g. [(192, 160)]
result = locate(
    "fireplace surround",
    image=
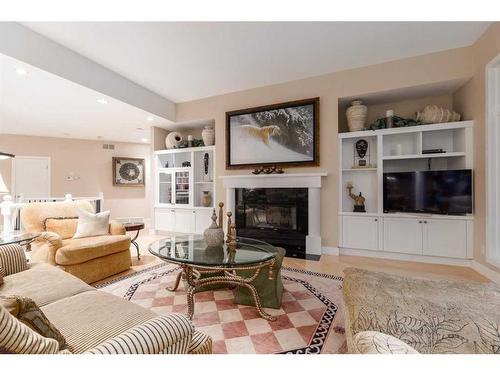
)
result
[(310, 182), (275, 215)]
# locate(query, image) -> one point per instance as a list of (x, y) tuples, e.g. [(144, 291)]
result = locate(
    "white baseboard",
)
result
[(486, 272), (326, 250), (407, 257)]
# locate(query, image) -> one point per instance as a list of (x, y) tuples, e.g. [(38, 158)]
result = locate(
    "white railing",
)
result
[(11, 211)]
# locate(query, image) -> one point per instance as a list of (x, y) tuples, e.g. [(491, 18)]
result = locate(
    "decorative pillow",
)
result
[(63, 226), (18, 338), (90, 224), (12, 259), (1, 275), (27, 312)]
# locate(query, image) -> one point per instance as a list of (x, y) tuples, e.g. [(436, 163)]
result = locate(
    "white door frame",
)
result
[(13, 173), (492, 162)]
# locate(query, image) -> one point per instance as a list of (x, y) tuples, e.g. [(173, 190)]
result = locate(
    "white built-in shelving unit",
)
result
[(181, 177), (401, 150)]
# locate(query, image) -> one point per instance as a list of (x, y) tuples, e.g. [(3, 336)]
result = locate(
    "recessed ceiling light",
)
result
[(22, 72), (99, 137), (150, 118), (144, 140), (102, 101), (66, 134), (139, 128)]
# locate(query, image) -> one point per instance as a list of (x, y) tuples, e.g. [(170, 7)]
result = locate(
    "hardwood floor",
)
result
[(334, 265)]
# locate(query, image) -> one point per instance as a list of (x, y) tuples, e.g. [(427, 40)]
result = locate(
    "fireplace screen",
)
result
[(271, 216), (283, 210)]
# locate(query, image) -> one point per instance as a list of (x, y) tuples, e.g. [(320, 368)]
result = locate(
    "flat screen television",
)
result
[(447, 192)]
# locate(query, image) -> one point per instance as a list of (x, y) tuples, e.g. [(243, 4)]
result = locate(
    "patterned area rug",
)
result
[(310, 320)]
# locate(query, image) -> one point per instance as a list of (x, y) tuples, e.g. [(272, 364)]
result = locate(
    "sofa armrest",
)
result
[(372, 342), (163, 334), (115, 227), (45, 246)]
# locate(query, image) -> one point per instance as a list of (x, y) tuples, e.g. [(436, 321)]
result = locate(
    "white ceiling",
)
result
[(187, 61), (44, 104)]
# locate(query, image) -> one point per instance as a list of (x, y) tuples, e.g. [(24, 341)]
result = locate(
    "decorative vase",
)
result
[(356, 116), (214, 235), (173, 140), (206, 199), (208, 135), (432, 114)]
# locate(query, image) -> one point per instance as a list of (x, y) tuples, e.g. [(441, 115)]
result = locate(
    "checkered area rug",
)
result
[(310, 320)]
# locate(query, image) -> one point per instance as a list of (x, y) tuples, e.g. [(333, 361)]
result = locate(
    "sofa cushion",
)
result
[(43, 283), (12, 259), (372, 342), (80, 250), (27, 312), (65, 227), (90, 225), (90, 318), (16, 337)]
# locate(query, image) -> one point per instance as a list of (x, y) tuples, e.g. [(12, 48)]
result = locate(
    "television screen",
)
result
[(438, 192)]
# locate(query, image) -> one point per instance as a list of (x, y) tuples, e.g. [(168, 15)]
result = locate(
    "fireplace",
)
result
[(278, 216)]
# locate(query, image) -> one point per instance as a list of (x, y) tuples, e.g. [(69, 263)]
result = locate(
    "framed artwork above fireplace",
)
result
[(284, 134)]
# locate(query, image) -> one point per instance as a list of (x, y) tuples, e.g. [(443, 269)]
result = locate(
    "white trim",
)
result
[(286, 180), (407, 257), (409, 129), (492, 141), (486, 272), (327, 250), (13, 173)]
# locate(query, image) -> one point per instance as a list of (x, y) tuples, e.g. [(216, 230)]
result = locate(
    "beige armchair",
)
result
[(90, 259)]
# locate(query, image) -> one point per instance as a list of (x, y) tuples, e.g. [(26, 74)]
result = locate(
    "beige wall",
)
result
[(470, 100), (88, 160), (449, 65)]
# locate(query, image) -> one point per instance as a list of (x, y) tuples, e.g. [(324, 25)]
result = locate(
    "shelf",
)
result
[(424, 156), (358, 169)]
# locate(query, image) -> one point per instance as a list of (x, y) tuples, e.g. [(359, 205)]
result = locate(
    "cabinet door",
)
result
[(165, 219), (445, 238), (203, 220), (184, 221), (403, 235), (182, 188), (165, 188), (360, 232)]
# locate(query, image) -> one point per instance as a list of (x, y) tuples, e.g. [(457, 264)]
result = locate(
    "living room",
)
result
[(182, 187)]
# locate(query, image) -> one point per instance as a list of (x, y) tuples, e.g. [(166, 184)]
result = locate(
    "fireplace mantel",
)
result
[(311, 181), (294, 180)]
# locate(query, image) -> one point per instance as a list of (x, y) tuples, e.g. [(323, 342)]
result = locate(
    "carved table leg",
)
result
[(177, 282)]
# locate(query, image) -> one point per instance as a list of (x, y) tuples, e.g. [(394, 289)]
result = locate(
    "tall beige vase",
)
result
[(356, 116), (208, 135)]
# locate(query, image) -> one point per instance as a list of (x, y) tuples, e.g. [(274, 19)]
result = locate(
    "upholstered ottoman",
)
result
[(270, 291)]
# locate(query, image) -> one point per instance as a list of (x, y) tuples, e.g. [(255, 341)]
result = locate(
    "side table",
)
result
[(129, 227)]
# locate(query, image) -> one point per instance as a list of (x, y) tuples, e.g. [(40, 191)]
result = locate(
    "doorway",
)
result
[(31, 176)]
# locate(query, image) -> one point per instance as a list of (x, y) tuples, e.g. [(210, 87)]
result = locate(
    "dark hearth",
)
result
[(276, 216)]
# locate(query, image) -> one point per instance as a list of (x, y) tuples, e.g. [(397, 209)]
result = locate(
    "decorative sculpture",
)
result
[(359, 200), (214, 235)]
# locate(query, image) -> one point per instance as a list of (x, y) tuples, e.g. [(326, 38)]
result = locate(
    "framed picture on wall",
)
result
[(128, 171), (284, 134)]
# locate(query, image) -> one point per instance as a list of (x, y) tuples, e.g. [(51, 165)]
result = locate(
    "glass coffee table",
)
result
[(204, 266)]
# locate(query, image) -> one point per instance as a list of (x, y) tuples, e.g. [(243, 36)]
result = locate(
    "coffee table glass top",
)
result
[(192, 249), (17, 237)]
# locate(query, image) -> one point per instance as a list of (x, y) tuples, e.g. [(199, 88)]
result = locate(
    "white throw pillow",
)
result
[(90, 224)]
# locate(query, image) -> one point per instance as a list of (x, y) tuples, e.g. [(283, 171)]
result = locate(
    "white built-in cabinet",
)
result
[(181, 177), (400, 150), (361, 232)]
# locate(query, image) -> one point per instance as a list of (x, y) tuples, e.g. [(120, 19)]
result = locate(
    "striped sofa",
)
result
[(96, 322)]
